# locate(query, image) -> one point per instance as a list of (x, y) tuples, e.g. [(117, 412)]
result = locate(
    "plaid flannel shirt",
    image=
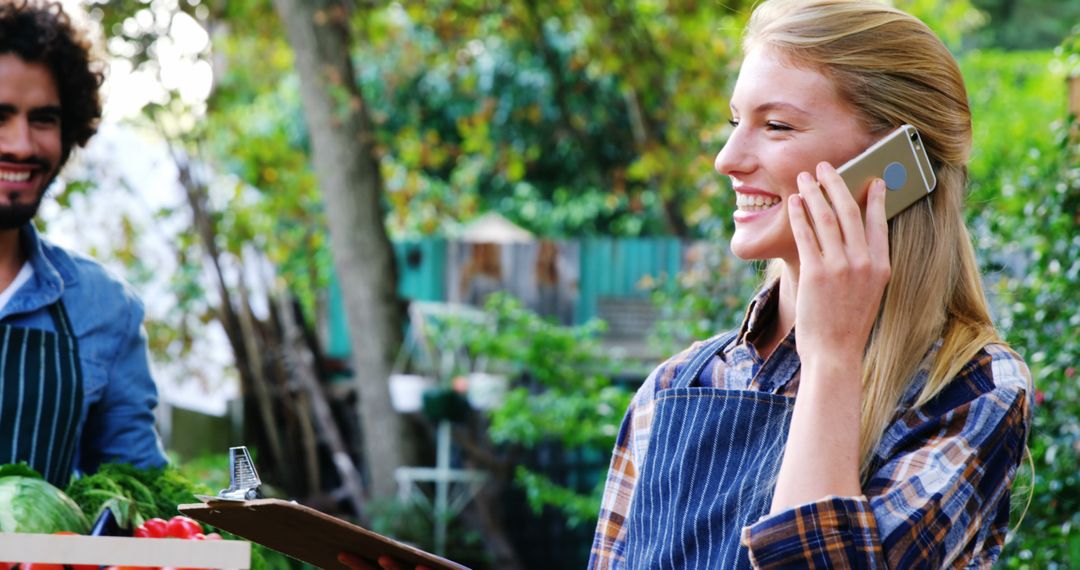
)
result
[(939, 489)]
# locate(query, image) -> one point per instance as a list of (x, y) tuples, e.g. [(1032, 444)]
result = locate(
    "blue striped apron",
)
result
[(41, 396), (711, 469)]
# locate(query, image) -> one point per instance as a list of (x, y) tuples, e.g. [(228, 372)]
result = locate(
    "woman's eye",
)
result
[(733, 122), (774, 126)]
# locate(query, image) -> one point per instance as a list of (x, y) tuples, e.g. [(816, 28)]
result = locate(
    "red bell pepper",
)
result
[(151, 528), (182, 527)]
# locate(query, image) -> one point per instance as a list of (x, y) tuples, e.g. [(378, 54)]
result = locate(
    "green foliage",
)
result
[(211, 470), (1013, 99), (1040, 318), (1024, 24), (709, 296), (563, 394), (412, 524), (251, 126), (1033, 235), (1068, 53), (578, 508), (569, 396), (134, 494), (94, 493), (20, 469), (545, 113), (951, 21)]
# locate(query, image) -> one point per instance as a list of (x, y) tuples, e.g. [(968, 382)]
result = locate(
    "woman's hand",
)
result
[(843, 265), (843, 270), (354, 562)]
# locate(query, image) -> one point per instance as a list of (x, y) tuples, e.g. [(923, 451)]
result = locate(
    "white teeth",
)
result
[(14, 176), (755, 202)]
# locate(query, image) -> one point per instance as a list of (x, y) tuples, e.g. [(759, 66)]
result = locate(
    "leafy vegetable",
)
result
[(94, 492), (134, 494), (30, 504), (21, 469)]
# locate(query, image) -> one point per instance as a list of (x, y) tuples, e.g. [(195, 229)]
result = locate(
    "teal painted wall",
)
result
[(607, 267), (421, 277), (615, 267)]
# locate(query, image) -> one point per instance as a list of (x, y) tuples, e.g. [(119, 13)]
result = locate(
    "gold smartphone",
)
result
[(901, 161)]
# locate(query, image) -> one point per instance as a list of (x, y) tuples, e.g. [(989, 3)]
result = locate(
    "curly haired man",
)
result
[(75, 383)]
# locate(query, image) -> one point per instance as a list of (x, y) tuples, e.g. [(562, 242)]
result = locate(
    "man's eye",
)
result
[(46, 119)]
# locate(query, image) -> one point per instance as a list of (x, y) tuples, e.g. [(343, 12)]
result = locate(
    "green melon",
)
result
[(33, 505)]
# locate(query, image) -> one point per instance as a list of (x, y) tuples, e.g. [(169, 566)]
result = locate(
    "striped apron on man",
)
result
[(41, 396), (711, 468)]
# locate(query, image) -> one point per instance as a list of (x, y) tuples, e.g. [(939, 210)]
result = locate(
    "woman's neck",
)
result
[(784, 318)]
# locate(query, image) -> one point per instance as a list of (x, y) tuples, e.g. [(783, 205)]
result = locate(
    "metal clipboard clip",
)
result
[(244, 481)]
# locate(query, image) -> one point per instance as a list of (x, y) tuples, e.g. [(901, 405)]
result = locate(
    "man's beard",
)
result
[(17, 215), (14, 215)]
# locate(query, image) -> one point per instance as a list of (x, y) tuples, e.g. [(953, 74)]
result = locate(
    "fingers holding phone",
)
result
[(843, 264)]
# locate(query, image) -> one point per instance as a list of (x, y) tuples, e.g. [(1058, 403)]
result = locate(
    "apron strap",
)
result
[(712, 347), (61, 319)]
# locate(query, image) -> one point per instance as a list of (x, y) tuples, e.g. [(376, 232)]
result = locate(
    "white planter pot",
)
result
[(486, 391), (407, 391)]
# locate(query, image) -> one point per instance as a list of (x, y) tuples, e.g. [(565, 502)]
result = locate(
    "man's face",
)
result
[(30, 142)]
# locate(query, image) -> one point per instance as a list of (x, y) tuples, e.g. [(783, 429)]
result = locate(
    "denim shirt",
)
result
[(119, 394)]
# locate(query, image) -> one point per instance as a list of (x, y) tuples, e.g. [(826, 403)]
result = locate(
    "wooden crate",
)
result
[(125, 551)]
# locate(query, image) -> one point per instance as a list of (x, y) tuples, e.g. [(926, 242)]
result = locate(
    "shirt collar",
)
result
[(762, 307), (48, 281)]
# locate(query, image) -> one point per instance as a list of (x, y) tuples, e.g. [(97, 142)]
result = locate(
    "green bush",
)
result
[(1029, 236), (562, 392), (706, 298), (1039, 318)]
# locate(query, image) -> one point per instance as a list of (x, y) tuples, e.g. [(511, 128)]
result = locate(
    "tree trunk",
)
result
[(343, 153)]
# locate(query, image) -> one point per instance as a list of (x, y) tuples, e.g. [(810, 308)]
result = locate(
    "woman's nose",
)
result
[(734, 157)]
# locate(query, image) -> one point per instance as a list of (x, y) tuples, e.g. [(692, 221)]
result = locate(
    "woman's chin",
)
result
[(756, 242), (747, 250), (751, 256)]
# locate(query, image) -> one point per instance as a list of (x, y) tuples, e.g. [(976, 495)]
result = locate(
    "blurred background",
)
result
[(418, 255)]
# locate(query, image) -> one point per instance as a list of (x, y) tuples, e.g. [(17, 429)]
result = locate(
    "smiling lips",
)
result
[(755, 202), (15, 176)]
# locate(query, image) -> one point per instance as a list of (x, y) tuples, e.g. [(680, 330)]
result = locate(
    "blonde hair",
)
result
[(892, 69)]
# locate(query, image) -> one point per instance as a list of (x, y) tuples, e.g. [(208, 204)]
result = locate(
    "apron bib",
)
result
[(714, 455), (41, 396)]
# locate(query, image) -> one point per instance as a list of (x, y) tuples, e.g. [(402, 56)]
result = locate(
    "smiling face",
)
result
[(30, 141), (787, 119)]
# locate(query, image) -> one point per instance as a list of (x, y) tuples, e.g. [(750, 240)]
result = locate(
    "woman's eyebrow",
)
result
[(772, 106)]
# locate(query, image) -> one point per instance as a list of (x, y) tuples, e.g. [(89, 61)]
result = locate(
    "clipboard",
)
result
[(307, 534)]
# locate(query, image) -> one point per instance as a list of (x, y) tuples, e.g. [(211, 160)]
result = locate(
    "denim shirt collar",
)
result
[(52, 275)]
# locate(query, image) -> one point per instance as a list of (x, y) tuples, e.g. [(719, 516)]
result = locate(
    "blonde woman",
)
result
[(865, 414)]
